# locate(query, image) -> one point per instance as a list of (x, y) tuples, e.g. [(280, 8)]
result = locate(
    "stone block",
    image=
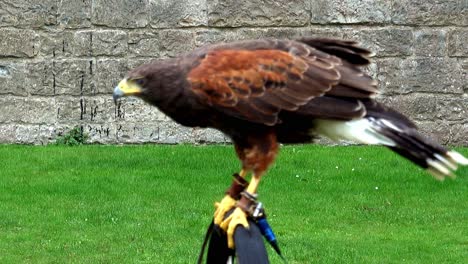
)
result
[(18, 43), (27, 110), (164, 43), (173, 133), (73, 77), (458, 134), (430, 107), (81, 43), (384, 42), (133, 109), (98, 109), (120, 13), (223, 13), (430, 12), (68, 109), (55, 43), (416, 106), (27, 13), (7, 133), (458, 42), (74, 14), (178, 13), (445, 132), (89, 109), (108, 73), (22, 78), (66, 43), (109, 43), (11, 74), (351, 11), (435, 75), (430, 43), (452, 108), (135, 62)]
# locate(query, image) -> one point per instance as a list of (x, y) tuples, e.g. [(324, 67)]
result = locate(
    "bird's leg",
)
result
[(232, 195), (244, 206)]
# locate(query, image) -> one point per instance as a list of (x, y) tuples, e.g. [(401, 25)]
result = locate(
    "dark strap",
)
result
[(205, 242), (238, 185)]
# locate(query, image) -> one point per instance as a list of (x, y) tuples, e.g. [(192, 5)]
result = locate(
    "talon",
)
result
[(222, 208), (238, 217)]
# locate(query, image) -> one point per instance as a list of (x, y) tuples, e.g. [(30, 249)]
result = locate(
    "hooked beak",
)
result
[(125, 88)]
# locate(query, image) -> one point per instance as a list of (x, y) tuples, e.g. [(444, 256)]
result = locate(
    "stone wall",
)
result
[(59, 60)]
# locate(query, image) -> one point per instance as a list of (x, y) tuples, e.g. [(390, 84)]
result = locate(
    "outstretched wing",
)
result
[(256, 84)]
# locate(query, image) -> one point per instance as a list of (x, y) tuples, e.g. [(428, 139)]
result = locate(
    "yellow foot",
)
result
[(222, 208), (238, 217)]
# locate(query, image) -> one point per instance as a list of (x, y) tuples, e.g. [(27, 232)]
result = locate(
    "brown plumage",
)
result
[(264, 92)]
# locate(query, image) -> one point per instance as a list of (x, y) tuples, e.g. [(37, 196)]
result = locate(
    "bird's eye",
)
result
[(139, 81)]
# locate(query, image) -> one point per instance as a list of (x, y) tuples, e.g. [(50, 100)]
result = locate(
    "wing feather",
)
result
[(256, 82)]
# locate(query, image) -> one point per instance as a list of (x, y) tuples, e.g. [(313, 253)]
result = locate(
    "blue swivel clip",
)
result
[(265, 228)]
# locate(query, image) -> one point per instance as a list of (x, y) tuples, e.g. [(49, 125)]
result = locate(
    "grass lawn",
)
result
[(151, 204)]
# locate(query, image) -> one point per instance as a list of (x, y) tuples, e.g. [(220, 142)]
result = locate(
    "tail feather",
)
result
[(401, 137)]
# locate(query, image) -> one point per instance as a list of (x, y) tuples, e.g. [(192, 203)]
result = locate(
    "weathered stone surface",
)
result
[(108, 73), (383, 42), (98, 109), (164, 43), (68, 109), (74, 14), (69, 44), (27, 110), (109, 43), (22, 78), (430, 12), (458, 43), (224, 13), (18, 43), (88, 109), (430, 43), (101, 133), (178, 13), (351, 11), (7, 133), (60, 60), (81, 43), (120, 13), (211, 36), (35, 134), (454, 108), (415, 106), (437, 75), (26, 13), (137, 132), (173, 133), (137, 61), (444, 132), (135, 110), (73, 77), (55, 43), (208, 135), (32, 134), (430, 107)]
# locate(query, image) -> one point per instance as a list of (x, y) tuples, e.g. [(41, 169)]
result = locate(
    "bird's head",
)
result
[(145, 81), (136, 83)]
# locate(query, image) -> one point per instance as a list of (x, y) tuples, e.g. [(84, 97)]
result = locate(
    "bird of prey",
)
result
[(265, 92)]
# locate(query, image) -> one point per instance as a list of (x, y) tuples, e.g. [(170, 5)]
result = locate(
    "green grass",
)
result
[(151, 204)]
